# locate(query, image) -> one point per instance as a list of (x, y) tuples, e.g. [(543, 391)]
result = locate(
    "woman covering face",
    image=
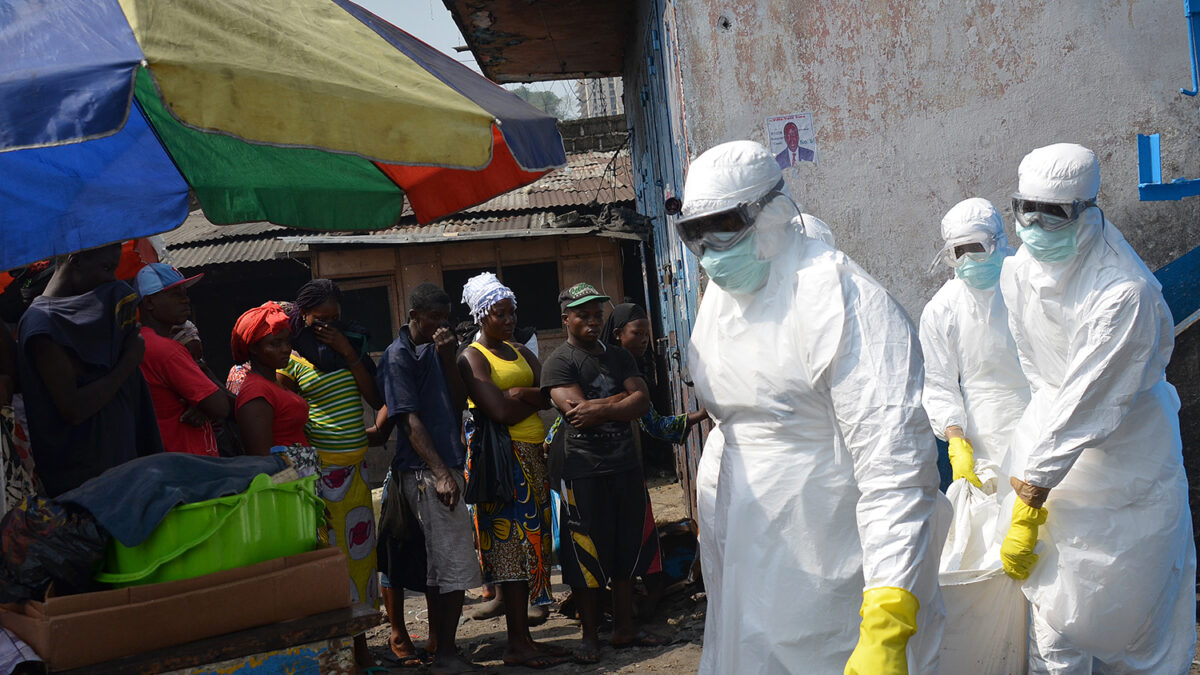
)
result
[(329, 366)]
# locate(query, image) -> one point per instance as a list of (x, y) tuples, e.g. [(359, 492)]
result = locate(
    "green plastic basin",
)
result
[(264, 522)]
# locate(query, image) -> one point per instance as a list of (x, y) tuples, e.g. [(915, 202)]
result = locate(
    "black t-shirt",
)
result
[(607, 448)]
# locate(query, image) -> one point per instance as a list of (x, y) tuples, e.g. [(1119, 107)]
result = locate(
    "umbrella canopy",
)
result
[(307, 113)]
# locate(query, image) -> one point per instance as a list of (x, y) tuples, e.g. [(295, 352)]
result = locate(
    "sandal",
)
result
[(389, 659)]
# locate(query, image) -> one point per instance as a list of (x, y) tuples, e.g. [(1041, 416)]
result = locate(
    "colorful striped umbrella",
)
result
[(307, 113)]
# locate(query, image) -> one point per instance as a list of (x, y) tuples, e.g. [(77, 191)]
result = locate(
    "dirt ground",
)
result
[(679, 617)]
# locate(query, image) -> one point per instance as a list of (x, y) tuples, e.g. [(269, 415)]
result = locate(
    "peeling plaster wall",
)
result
[(920, 104)]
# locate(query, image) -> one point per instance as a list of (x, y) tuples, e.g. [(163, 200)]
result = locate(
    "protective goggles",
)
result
[(1049, 216), (722, 230), (956, 253)]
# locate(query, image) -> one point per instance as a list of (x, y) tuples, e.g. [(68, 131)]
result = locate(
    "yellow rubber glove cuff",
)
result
[(889, 619), (1016, 553), (962, 461)]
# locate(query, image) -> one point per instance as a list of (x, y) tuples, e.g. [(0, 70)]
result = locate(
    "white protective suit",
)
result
[(819, 480), (1114, 587), (972, 376)]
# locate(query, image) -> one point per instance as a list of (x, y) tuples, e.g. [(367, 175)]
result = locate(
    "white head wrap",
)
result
[(482, 291)]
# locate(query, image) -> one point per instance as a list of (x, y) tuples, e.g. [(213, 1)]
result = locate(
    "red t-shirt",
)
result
[(176, 384), (291, 410)]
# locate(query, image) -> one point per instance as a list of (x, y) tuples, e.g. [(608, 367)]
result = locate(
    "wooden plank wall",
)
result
[(590, 258)]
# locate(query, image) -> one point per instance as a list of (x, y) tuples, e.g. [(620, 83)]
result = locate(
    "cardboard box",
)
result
[(80, 630)]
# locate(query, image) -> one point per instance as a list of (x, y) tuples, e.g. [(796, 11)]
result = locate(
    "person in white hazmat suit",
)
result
[(974, 388), (817, 487), (1095, 461)]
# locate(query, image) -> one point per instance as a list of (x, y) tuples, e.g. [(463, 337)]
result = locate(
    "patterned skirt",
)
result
[(17, 479), (514, 539), (342, 484)]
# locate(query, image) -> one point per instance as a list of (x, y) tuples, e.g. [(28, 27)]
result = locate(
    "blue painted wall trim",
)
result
[(1151, 187), (1180, 279)]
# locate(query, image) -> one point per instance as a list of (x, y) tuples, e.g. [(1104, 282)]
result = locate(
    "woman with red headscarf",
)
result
[(267, 414)]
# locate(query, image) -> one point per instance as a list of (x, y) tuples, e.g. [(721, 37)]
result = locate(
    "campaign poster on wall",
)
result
[(791, 139)]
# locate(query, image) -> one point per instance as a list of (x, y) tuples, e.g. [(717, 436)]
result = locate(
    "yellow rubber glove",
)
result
[(1017, 550), (889, 619), (962, 460)]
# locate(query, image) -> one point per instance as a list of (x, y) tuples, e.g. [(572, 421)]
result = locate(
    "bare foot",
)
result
[(486, 610), (404, 649), (534, 655)]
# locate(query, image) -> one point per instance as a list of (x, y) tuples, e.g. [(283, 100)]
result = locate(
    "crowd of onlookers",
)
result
[(480, 490)]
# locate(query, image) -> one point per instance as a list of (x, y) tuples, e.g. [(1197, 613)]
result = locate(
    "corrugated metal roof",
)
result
[(534, 210), (598, 175), (196, 228), (236, 251), (400, 238), (604, 176), (620, 224)]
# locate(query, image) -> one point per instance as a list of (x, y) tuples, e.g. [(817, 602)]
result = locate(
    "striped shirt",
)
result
[(335, 410)]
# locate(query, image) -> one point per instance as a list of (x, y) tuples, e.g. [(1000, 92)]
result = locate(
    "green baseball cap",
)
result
[(579, 294)]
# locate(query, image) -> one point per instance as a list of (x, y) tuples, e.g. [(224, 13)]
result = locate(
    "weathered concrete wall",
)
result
[(921, 103), (593, 133)]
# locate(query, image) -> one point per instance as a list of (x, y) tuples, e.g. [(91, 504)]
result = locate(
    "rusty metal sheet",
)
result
[(529, 41), (235, 251)]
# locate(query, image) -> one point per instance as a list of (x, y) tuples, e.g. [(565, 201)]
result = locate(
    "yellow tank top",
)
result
[(508, 374)]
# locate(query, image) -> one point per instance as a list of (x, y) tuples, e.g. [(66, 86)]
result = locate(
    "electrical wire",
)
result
[(614, 170)]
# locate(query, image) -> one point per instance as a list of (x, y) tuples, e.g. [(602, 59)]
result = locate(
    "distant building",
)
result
[(600, 97), (576, 223)]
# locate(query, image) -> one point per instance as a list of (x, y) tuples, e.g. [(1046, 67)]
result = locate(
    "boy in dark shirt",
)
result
[(599, 390), (424, 396)]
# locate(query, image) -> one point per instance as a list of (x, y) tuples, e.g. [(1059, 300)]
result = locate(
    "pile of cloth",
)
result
[(61, 541)]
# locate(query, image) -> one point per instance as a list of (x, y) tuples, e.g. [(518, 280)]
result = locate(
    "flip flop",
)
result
[(642, 639), (390, 659)]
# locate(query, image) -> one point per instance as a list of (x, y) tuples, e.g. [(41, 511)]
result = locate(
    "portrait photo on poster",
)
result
[(792, 139)]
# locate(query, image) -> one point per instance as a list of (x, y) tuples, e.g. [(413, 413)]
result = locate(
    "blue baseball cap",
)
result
[(158, 277)]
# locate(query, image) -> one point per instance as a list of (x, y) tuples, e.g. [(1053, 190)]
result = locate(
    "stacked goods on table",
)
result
[(185, 539), (89, 628)]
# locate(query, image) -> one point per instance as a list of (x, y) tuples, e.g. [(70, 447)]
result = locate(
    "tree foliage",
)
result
[(542, 99)]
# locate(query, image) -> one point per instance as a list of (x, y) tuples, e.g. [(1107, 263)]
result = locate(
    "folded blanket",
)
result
[(131, 499)]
